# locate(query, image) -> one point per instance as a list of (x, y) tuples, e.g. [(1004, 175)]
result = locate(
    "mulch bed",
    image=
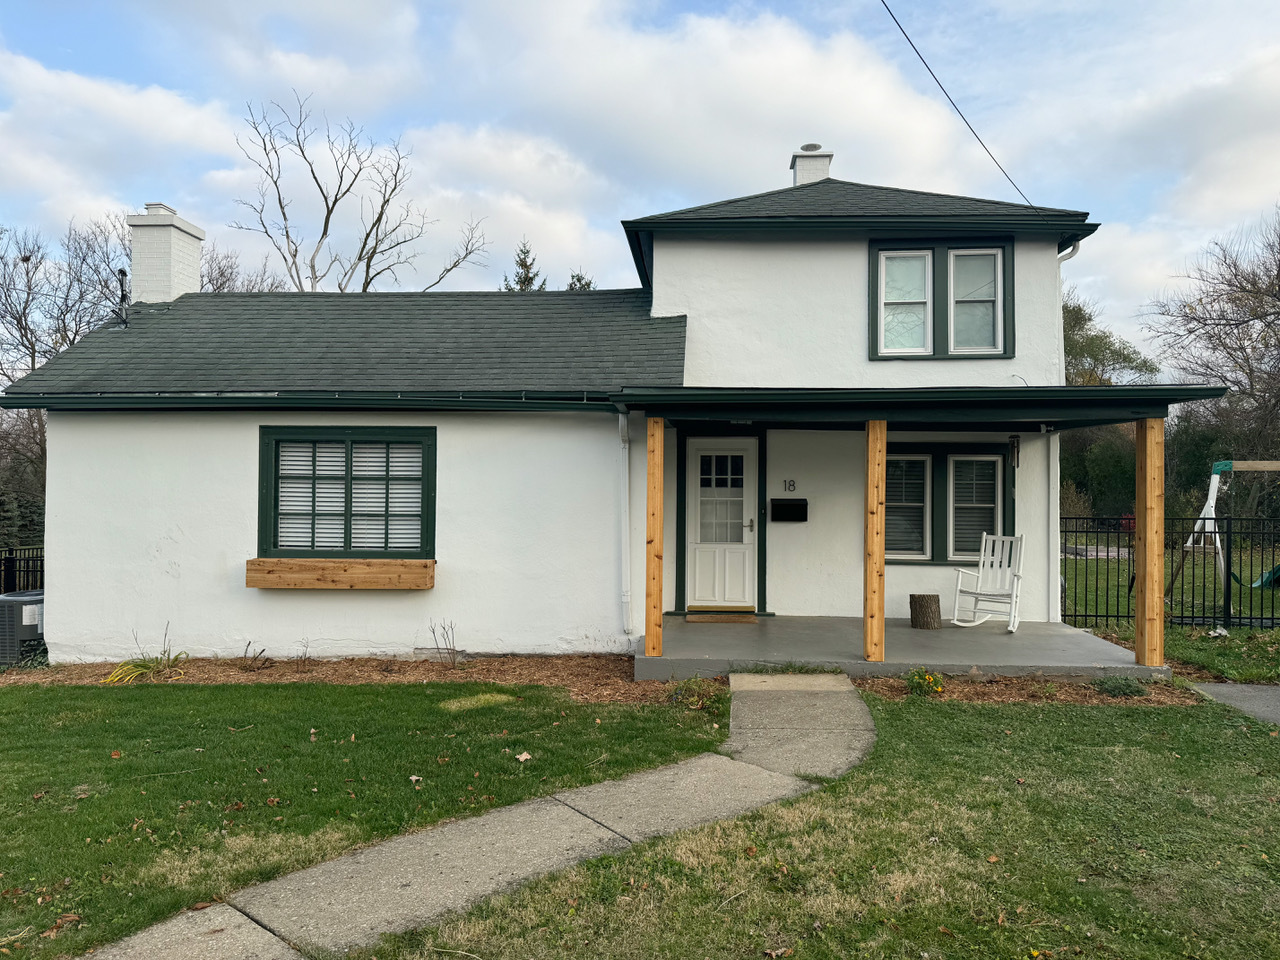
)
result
[(1033, 690), (1187, 671), (589, 678)]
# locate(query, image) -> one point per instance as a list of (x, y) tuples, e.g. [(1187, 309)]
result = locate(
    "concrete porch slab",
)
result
[(1037, 649)]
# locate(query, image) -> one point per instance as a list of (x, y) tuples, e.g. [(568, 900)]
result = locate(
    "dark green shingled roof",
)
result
[(841, 198), (859, 208), (591, 341)]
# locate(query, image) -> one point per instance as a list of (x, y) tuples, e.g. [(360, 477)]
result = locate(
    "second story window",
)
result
[(935, 300)]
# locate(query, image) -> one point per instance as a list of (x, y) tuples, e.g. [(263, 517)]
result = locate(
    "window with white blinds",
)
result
[(349, 493), (975, 503), (906, 510)]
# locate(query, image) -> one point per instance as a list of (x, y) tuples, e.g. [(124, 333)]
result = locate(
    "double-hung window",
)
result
[(906, 308), (940, 500), (907, 523), (973, 504), (347, 492), (939, 300)]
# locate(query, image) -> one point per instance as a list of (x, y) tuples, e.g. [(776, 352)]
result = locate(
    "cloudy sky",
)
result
[(554, 120)]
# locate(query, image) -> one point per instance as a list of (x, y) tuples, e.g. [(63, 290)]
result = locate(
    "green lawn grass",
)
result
[(971, 831), (1099, 588), (1246, 656), (123, 805)]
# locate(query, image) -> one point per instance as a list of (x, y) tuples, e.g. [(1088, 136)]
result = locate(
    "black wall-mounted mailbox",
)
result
[(789, 511)]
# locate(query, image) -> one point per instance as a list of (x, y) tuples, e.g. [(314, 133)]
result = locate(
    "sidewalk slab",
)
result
[(820, 753), (219, 931), (813, 682), (408, 882), (701, 790), (800, 710), (1260, 700), (799, 724)]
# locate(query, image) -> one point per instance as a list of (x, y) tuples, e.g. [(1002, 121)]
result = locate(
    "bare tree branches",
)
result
[(1224, 327), (221, 272), (350, 179), (51, 295)]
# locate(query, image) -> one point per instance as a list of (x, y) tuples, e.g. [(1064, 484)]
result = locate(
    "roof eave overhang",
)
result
[(934, 408), (526, 400), (1066, 231)]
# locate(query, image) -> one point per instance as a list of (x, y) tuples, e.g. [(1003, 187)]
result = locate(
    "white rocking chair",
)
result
[(995, 584)]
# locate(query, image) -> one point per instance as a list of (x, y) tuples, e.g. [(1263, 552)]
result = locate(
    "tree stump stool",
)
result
[(926, 613)]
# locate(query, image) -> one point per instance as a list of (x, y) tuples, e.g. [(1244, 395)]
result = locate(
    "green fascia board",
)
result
[(531, 402), (948, 408), (1065, 231)]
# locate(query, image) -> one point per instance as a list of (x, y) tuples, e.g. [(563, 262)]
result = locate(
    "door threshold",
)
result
[(727, 617)]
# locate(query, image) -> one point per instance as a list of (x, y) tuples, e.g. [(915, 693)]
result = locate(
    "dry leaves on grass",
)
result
[(1032, 690), (589, 678)]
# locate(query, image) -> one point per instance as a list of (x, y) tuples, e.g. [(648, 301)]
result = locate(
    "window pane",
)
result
[(975, 326), (294, 533), (904, 326), (369, 459), (368, 533), (368, 496), (905, 481), (406, 496), (973, 276), (406, 459), (905, 277), (405, 533), (331, 495), (331, 459), (975, 481), (295, 495), (904, 528), (295, 458), (329, 533), (971, 523)]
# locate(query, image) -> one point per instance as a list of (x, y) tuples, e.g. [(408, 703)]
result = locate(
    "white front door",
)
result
[(721, 524)]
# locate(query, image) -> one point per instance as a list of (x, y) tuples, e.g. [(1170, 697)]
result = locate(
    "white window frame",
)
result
[(951, 499), (951, 302), (927, 553), (927, 349)]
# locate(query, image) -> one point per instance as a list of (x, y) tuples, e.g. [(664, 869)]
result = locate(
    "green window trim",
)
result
[(940, 297), (270, 438), (941, 456)]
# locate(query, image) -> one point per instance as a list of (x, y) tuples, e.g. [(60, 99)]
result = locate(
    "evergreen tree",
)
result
[(580, 281), (527, 273)]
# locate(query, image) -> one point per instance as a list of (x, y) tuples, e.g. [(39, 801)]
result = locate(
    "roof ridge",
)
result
[(726, 206)]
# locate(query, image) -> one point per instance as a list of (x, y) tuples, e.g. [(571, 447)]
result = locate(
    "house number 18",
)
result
[(789, 486)]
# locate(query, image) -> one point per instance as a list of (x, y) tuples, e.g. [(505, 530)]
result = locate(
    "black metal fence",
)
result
[(1217, 572), (21, 568)]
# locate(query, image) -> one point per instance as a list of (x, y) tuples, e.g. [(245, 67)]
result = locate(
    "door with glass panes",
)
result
[(721, 520)]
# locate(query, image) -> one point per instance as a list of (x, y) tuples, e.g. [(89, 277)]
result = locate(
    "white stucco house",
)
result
[(812, 405)]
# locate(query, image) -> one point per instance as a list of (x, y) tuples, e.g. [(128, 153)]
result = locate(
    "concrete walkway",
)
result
[(781, 726), (1259, 700)]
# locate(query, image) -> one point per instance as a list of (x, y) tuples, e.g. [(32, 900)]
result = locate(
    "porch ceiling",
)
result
[(924, 408)]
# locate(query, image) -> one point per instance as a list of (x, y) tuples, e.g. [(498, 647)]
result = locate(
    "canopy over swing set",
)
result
[(1205, 537)]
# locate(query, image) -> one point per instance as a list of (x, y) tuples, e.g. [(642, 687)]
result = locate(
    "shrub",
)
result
[(1119, 687), (922, 683)]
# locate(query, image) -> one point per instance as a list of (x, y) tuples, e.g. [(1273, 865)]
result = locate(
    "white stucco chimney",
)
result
[(810, 164), (166, 255)]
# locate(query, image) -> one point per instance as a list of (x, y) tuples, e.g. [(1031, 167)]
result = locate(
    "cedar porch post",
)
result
[(653, 541), (1148, 545), (873, 540)]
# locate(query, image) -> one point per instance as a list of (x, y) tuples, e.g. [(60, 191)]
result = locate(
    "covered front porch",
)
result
[(1037, 649), (873, 643)]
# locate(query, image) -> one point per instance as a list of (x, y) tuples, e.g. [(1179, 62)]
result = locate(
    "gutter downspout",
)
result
[(624, 435), (1075, 248)]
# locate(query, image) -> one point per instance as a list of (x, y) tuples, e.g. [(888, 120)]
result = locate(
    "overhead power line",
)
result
[(950, 100)]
